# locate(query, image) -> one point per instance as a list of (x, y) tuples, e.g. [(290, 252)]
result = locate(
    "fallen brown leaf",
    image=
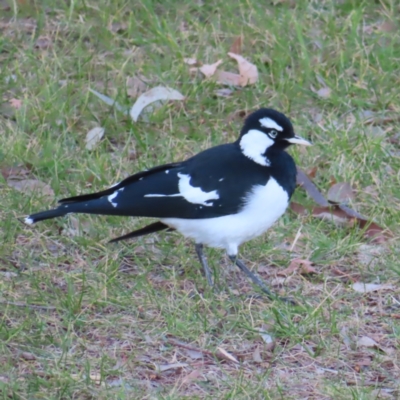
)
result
[(44, 43), (229, 357), (366, 341), (208, 70), (339, 213), (16, 103), (304, 181), (305, 267), (228, 78), (29, 186), (135, 86), (341, 192), (14, 173), (312, 172), (324, 93), (257, 355), (248, 71), (236, 46), (388, 27), (191, 376), (155, 94), (93, 137), (166, 367), (27, 356), (190, 61), (361, 287)]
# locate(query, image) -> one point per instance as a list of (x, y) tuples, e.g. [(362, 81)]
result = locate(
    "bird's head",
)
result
[(267, 128)]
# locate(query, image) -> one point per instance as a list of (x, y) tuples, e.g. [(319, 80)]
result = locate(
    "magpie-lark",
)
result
[(221, 197)]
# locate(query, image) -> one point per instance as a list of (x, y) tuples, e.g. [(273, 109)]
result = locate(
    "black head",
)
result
[(266, 130), (275, 125)]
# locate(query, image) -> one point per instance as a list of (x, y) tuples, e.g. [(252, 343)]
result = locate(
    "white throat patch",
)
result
[(270, 124), (254, 144)]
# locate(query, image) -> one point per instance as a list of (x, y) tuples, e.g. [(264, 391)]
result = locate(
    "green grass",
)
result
[(81, 318)]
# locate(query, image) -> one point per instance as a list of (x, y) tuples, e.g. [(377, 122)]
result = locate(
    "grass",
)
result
[(81, 318)]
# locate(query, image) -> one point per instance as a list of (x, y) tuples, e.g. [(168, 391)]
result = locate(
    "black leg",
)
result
[(204, 263), (258, 281)]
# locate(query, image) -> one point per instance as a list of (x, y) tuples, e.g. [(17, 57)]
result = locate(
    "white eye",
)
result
[(272, 133)]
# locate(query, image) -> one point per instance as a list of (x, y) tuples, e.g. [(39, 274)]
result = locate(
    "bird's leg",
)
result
[(204, 263), (252, 276), (258, 281)]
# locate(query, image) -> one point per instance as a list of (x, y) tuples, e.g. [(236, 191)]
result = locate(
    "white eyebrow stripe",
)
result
[(270, 123)]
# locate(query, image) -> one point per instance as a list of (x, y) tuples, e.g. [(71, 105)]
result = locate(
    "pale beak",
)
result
[(299, 140)]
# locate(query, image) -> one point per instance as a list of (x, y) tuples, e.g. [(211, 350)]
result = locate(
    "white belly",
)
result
[(263, 206)]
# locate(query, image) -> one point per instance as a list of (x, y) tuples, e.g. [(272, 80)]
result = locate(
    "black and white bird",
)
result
[(221, 197)]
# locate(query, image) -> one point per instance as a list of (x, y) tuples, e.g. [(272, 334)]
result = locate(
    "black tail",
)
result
[(98, 206), (57, 212)]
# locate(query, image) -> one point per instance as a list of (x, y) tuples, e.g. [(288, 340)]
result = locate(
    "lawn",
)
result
[(84, 319)]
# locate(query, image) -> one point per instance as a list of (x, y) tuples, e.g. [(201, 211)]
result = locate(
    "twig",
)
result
[(219, 354)]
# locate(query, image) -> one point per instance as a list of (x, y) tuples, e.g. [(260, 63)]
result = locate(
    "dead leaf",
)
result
[(43, 43), (333, 214), (190, 61), (135, 86), (388, 27), (236, 47), (366, 341), (118, 27), (191, 376), (27, 356), (257, 355), (208, 70), (224, 92), (361, 287), (14, 173), (248, 71), (158, 93), (312, 173), (15, 103), (228, 78), (109, 101), (341, 192), (222, 352), (93, 137), (266, 336), (339, 214), (369, 255), (194, 355), (166, 367), (310, 188), (305, 267), (29, 186), (324, 93)]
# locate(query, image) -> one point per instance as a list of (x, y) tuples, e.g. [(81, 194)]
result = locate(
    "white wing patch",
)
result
[(111, 197), (190, 193), (270, 124), (254, 144)]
